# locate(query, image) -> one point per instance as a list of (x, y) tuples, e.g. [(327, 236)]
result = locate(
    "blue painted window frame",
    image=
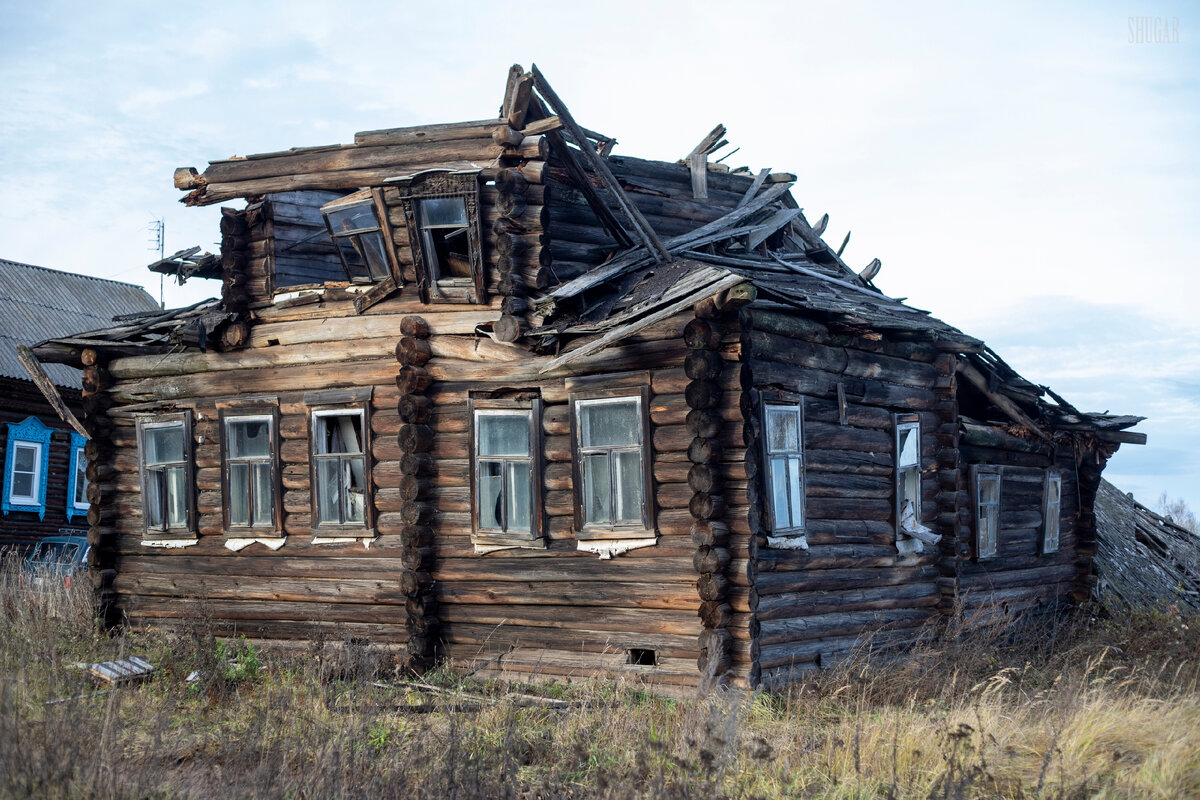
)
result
[(77, 444), (31, 430)]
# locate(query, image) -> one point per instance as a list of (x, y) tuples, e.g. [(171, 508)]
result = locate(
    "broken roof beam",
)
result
[(717, 229), (1008, 407), (42, 381), (641, 227), (725, 281)]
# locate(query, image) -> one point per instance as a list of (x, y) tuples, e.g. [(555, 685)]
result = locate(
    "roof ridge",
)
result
[(73, 274)]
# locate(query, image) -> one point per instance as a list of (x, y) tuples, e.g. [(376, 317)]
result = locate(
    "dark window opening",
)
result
[(643, 657)]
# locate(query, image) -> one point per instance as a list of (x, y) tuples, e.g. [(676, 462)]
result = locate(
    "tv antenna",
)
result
[(158, 240)]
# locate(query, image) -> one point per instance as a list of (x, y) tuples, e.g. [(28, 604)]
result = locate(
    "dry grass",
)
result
[(1078, 708)]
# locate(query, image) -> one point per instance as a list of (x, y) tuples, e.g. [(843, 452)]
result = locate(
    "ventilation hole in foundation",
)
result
[(642, 657)]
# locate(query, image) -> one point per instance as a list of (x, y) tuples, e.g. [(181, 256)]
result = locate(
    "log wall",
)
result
[(559, 611), (1021, 579), (808, 607)]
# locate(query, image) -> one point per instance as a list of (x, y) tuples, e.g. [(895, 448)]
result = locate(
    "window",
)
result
[(908, 474), (506, 474), (986, 488), (1052, 511), (784, 441), (441, 210), (165, 452), (27, 461), (339, 468), (77, 502), (248, 450), (611, 457), (359, 239)]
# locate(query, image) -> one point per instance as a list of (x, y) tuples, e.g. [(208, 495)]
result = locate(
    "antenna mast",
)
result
[(158, 233)]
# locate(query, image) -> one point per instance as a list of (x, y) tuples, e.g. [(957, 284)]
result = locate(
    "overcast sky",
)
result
[(1027, 172)]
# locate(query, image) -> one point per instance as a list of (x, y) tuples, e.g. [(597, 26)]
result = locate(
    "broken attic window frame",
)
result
[(353, 223), (985, 490), (441, 212), (1051, 511)]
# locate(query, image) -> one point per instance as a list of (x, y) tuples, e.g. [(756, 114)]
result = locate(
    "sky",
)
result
[(1027, 172)]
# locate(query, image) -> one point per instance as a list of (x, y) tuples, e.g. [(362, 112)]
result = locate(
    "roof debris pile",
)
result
[(1143, 560)]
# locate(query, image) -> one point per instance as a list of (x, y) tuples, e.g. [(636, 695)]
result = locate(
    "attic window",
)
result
[(356, 233), (441, 211)]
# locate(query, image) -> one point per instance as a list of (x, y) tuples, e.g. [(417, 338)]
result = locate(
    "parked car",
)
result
[(57, 558)]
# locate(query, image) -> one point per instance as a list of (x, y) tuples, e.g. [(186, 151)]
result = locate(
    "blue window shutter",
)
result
[(77, 442), (33, 431)]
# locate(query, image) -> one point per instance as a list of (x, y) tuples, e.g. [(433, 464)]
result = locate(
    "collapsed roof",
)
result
[(763, 241)]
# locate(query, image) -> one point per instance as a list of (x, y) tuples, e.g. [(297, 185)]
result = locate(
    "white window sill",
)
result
[(607, 548), (169, 543), (366, 539), (788, 542), (236, 543)]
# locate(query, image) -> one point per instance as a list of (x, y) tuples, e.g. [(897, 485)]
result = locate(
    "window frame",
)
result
[(363, 198), (34, 434), (531, 408), (444, 184), (901, 423), (76, 508), (1051, 539), (250, 413), (796, 404), (645, 528), (366, 528), (184, 420), (986, 549)]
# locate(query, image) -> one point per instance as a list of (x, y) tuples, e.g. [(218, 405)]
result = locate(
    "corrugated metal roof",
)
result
[(37, 303)]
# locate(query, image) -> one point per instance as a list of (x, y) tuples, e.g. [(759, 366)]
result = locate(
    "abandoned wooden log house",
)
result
[(487, 391)]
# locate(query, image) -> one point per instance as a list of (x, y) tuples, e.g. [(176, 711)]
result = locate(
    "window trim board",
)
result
[(29, 431)]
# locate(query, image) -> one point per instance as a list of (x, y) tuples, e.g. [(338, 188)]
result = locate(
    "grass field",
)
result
[(1085, 707)]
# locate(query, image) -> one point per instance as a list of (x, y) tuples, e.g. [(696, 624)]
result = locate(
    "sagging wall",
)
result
[(1020, 578), (807, 607)]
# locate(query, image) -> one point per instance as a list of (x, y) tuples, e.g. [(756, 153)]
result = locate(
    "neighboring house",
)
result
[(44, 485), (485, 391)]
